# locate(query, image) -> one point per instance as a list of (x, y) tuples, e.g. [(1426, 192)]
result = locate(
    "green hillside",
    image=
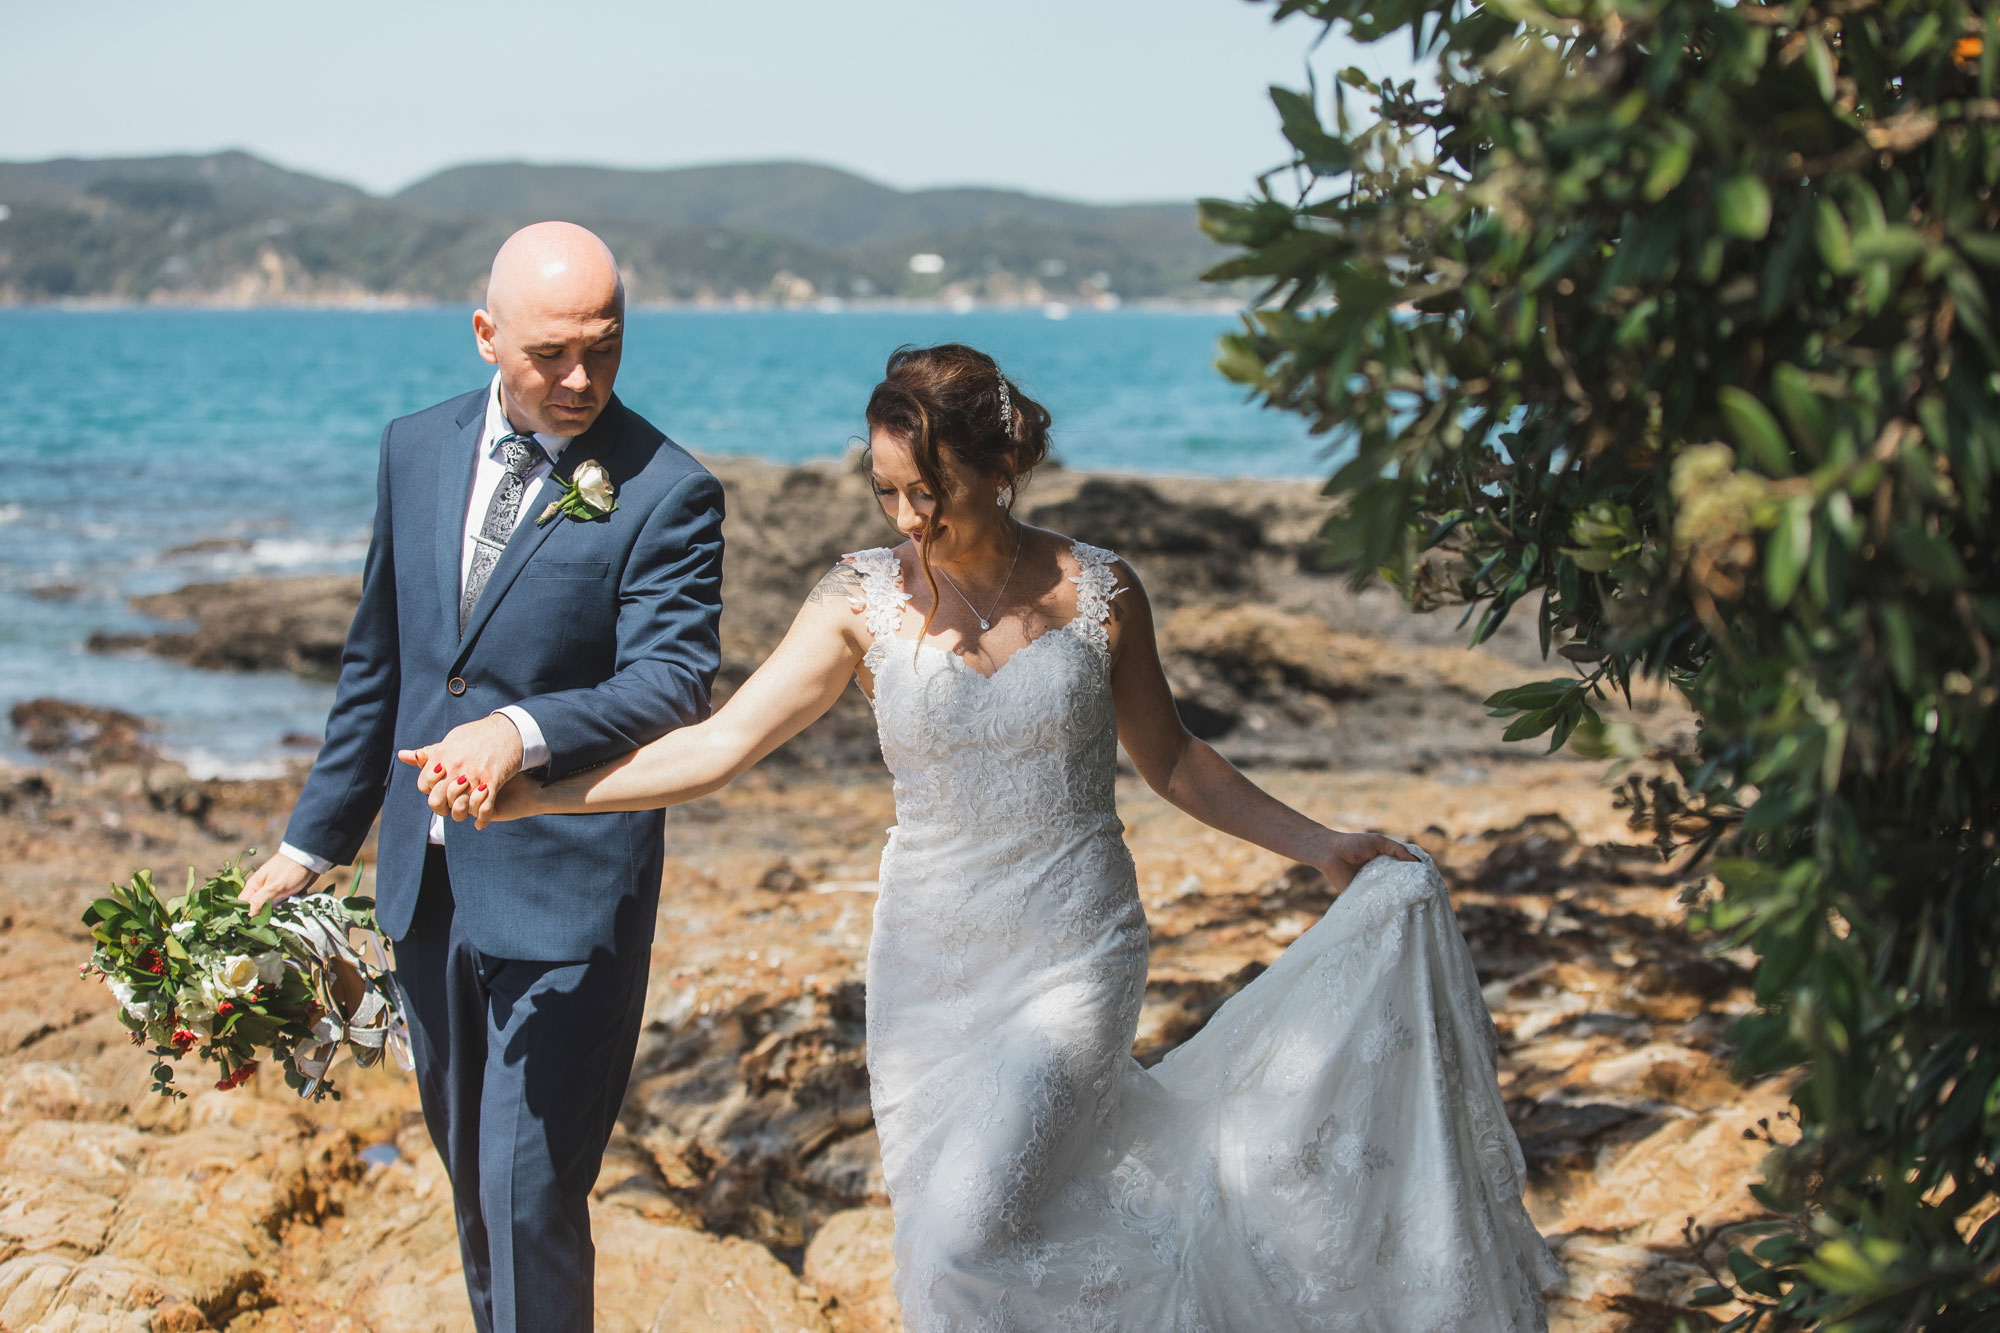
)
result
[(230, 227)]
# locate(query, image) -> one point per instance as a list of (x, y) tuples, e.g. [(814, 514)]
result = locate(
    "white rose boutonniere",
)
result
[(588, 496)]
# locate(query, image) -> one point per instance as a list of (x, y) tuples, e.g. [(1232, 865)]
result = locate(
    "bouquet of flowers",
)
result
[(200, 974)]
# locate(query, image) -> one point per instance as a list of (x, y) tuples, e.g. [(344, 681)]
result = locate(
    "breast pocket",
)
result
[(557, 569)]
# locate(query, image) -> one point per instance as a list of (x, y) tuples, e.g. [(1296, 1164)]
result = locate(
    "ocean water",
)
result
[(146, 449)]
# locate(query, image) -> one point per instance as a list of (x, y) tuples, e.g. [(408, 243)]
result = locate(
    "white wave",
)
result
[(9, 513), (205, 764), (268, 554), (298, 552)]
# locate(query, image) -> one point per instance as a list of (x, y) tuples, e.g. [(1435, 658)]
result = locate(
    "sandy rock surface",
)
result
[(743, 1187)]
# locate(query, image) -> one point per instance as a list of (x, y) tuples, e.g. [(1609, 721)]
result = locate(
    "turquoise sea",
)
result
[(133, 435)]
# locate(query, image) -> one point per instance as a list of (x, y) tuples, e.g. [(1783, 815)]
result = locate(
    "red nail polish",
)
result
[(482, 786), (461, 779), (438, 768)]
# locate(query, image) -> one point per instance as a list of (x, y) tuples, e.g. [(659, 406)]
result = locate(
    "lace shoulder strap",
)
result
[(882, 591), (1096, 582)]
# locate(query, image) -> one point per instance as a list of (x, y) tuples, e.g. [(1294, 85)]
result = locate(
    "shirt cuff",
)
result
[(319, 865), (534, 748)]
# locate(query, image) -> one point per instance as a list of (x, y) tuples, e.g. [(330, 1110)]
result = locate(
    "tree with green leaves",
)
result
[(1671, 322)]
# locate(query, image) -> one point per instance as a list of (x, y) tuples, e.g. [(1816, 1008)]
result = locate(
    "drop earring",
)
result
[(1004, 497)]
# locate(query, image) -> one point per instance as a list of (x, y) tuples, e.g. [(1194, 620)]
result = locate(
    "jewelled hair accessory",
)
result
[(1006, 407)]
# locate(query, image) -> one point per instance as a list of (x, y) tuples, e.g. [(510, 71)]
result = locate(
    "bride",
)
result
[(1329, 1152)]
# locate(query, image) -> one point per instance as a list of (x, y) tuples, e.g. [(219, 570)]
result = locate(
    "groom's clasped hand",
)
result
[(462, 775)]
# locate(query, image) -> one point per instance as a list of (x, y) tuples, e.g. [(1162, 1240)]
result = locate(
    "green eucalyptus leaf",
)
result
[(1756, 430), (1836, 244), (1893, 245), (1819, 62), (1786, 551), (1671, 160), (1743, 205)]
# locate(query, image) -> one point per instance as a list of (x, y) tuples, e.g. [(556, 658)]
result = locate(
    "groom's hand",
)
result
[(461, 774), (277, 879)]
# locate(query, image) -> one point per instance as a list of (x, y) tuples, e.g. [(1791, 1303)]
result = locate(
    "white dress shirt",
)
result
[(486, 476)]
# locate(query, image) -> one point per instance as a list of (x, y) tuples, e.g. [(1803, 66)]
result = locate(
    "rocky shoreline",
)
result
[(743, 1189), (1274, 660)]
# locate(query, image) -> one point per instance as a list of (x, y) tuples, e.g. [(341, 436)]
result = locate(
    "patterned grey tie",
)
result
[(521, 454)]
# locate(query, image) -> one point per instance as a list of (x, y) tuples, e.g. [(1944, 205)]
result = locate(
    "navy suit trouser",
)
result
[(521, 1067)]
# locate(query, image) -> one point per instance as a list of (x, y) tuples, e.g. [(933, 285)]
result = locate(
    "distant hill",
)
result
[(229, 180), (799, 201), (231, 227)]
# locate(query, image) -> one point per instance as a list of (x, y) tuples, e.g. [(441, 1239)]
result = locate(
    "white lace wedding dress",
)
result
[(1329, 1152)]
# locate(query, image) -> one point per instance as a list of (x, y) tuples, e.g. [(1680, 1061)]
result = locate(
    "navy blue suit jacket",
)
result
[(606, 631)]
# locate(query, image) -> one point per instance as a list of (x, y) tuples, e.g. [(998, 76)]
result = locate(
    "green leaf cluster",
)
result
[(1670, 323)]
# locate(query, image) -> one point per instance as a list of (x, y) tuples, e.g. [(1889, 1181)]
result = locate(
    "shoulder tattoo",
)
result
[(842, 583)]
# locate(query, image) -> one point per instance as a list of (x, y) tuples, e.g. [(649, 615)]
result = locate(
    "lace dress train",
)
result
[(1329, 1152)]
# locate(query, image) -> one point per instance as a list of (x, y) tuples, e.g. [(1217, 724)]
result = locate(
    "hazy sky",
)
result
[(1106, 100)]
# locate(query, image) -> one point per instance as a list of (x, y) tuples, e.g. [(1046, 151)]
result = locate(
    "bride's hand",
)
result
[(1346, 853), (519, 799), (516, 799)]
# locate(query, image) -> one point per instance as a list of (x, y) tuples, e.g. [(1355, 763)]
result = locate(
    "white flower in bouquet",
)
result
[(127, 996), (270, 968), (195, 1003), (185, 928), (234, 977)]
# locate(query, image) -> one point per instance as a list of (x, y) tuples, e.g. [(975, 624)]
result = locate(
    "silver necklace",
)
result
[(986, 621)]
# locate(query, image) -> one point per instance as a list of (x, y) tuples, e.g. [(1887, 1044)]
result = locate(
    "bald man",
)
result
[(534, 638)]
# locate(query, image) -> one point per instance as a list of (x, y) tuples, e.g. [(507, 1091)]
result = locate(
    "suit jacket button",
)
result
[(456, 685)]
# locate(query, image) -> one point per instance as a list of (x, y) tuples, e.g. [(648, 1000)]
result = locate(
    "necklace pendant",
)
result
[(984, 623)]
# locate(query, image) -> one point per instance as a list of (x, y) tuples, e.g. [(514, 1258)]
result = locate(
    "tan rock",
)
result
[(164, 1227), (98, 1295), (79, 1149), (852, 1263), (48, 1214), (29, 1286), (655, 1279), (42, 1088), (1610, 1287), (1702, 1166)]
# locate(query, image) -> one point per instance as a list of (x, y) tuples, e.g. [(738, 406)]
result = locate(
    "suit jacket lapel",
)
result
[(457, 462), (529, 536)]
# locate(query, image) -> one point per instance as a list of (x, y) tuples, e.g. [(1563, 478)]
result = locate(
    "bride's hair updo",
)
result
[(953, 397), (950, 397)]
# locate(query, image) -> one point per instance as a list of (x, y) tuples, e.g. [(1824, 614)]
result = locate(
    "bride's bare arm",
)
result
[(794, 687), (1190, 774)]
